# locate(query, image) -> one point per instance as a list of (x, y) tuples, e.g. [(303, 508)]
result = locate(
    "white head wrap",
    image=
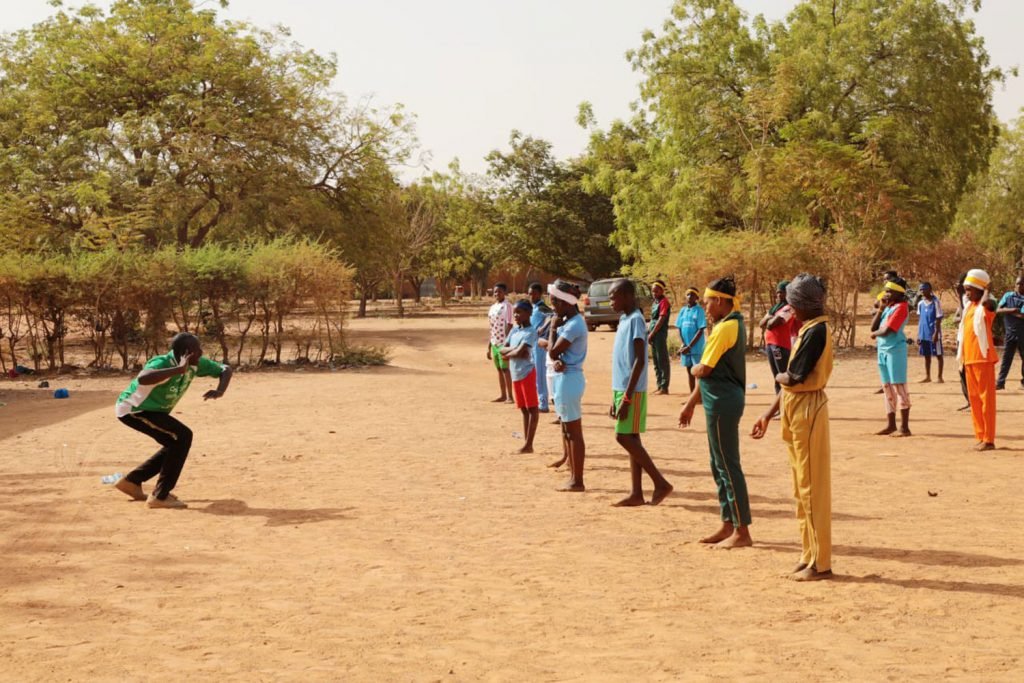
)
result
[(564, 296), (978, 279)]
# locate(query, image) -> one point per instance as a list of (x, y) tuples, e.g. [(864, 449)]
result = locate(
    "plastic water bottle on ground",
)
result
[(517, 435), (752, 385), (111, 478)]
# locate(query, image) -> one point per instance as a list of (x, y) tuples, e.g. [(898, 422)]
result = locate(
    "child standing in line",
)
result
[(539, 318), (887, 329), (658, 336), (568, 351), (929, 331), (722, 375), (146, 407), (778, 326), (629, 394), (978, 357), (1011, 307), (518, 350), (500, 319), (692, 325), (805, 427)]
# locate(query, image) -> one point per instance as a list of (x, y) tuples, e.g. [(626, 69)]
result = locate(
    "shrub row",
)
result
[(127, 303)]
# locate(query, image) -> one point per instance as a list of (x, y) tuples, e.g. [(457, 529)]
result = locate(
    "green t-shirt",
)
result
[(161, 398)]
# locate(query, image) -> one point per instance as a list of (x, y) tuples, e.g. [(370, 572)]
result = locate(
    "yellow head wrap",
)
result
[(735, 298)]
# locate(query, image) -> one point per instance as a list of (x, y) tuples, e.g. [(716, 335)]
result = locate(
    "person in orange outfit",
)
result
[(977, 355)]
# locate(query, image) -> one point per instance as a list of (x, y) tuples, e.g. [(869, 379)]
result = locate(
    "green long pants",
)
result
[(724, 443), (662, 363)]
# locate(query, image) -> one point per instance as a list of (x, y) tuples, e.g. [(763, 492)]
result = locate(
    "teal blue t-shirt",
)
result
[(520, 367), (574, 331), (631, 327)]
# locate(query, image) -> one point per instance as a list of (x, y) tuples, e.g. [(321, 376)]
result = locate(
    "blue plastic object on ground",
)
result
[(62, 393)]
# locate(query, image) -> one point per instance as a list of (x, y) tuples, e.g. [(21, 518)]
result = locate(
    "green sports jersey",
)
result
[(161, 398)]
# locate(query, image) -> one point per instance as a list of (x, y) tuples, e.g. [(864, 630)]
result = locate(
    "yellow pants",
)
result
[(805, 430)]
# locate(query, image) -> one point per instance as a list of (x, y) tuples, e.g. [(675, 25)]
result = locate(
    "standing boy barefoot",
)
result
[(929, 331), (692, 324), (499, 317), (518, 350), (722, 377), (629, 389), (805, 427), (145, 406)]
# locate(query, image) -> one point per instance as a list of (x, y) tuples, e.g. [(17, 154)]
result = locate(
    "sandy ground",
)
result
[(375, 525)]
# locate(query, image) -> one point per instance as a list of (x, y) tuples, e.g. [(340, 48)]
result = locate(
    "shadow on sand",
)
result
[(274, 516)]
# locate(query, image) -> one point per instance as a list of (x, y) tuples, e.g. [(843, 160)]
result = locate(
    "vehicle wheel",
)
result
[(613, 326), (591, 327)]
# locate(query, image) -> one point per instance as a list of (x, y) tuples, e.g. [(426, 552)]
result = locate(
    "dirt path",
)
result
[(374, 525)]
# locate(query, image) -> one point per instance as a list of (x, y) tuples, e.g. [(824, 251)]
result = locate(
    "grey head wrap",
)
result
[(807, 292)]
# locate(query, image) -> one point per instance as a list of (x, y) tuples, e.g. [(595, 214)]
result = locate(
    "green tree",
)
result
[(992, 211), (157, 122), (551, 221)]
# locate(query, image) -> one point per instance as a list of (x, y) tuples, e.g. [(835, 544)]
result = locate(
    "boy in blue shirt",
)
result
[(691, 323), (518, 351), (629, 394), (568, 351), (929, 331), (1011, 307)]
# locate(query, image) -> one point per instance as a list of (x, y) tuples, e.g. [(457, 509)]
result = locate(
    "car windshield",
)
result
[(599, 290)]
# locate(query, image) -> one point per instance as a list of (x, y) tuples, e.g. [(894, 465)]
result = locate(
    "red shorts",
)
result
[(525, 391)]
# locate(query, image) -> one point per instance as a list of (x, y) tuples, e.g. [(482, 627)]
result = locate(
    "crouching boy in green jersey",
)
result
[(146, 407)]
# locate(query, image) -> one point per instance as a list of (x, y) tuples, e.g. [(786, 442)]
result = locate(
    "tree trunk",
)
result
[(399, 279), (361, 313), (853, 328), (417, 284)]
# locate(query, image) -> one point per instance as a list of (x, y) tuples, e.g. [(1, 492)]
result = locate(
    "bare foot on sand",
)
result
[(800, 566), (885, 432), (556, 464), (940, 381), (525, 449), (926, 380), (630, 501), (661, 494), (901, 433), (724, 532), (500, 399), (985, 447), (573, 488), (811, 574), (739, 539)]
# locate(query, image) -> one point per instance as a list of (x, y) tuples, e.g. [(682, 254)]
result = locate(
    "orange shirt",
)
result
[(972, 350)]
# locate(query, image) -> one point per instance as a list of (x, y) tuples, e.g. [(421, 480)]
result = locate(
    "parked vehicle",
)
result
[(597, 305)]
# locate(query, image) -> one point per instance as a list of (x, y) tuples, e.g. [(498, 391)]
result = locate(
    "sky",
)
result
[(473, 70)]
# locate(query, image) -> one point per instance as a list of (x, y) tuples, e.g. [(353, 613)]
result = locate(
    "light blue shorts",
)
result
[(892, 367), (568, 390)]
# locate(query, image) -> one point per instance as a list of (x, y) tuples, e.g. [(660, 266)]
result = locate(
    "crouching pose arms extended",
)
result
[(146, 407), (805, 427)]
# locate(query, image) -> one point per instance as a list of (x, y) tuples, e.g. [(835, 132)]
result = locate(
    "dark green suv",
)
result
[(597, 305)]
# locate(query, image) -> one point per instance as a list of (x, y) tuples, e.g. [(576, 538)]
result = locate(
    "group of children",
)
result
[(798, 343), (716, 363)]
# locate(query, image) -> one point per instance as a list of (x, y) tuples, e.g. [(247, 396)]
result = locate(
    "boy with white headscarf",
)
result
[(977, 356)]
